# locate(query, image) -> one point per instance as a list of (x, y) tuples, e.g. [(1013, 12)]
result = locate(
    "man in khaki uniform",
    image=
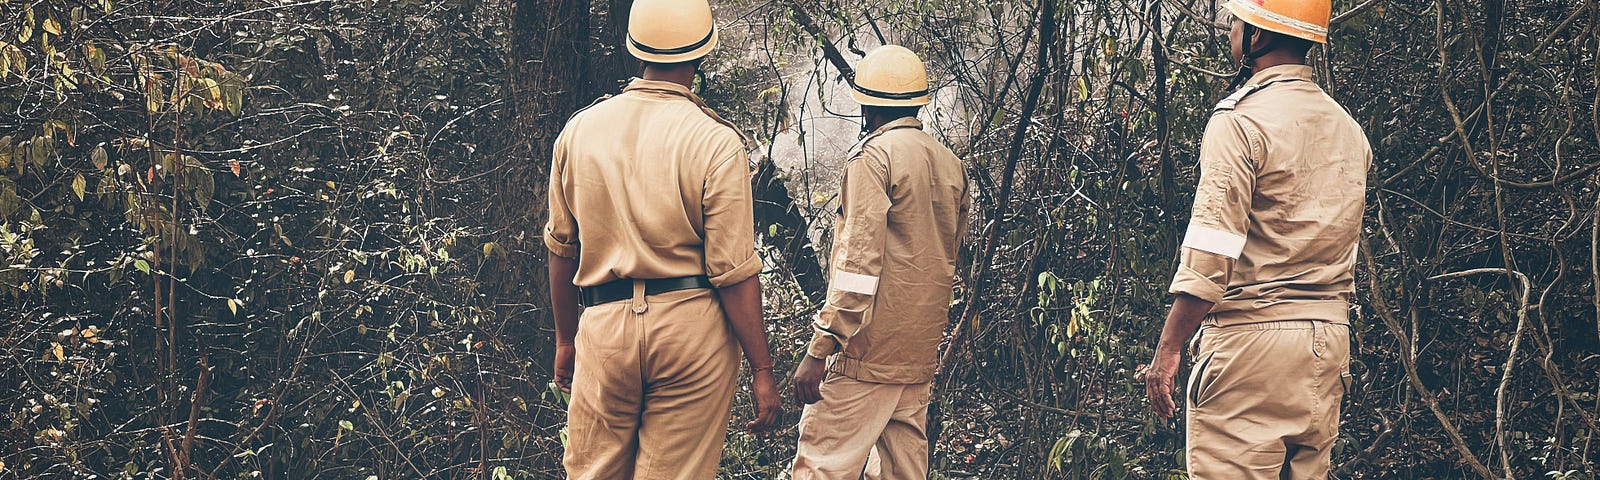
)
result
[(1265, 268), (651, 230), (903, 204)]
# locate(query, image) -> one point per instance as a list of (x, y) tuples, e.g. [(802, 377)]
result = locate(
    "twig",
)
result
[(1407, 357), (828, 49)]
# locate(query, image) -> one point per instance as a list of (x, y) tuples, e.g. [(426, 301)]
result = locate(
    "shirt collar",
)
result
[(662, 86), (1283, 72), (902, 122)]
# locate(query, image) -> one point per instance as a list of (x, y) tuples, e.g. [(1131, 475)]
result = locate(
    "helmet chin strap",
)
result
[(1248, 62)]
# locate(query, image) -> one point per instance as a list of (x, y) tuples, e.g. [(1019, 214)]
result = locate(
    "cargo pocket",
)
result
[(1198, 379)]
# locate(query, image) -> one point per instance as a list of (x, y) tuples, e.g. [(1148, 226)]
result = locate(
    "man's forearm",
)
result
[(1182, 321), (564, 297), (742, 304)]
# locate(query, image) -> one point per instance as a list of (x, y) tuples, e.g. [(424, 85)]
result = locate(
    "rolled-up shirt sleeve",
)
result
[(858, 253), (729, 215), (561, 230), (1219, 222)]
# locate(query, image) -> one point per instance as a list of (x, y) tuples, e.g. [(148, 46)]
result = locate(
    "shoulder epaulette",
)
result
[(590, 105), (855, 149), (862, 143), (1232, 101)]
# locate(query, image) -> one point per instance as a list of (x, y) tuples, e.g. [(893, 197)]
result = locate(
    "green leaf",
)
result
[(97, 59), (142, 265), (204, 184), (345, 424), (18, 62), (9, 201), (36, 151), (78, 186)]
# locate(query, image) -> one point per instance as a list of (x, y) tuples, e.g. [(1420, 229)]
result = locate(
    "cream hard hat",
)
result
[(671, 31), (1306, 19), (891, 76)]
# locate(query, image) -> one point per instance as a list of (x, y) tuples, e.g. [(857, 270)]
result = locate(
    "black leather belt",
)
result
[(618, 290)]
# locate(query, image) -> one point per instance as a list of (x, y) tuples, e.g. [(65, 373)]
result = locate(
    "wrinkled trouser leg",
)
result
[(1264, 400), (692, 367), (856, 418), (651, 392), (902, 449)]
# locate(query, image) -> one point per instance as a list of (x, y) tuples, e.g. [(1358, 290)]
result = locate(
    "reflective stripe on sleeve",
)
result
[(855, 282), (1207, 239)]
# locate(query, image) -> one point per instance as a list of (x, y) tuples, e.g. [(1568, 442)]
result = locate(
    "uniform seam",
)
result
[(1256, 143)]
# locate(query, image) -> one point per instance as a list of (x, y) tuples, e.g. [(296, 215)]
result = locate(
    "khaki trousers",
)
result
[(855, 419), (652, 384), (1264, 399)]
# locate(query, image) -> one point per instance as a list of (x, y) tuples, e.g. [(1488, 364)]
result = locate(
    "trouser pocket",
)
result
[(1200, 378)]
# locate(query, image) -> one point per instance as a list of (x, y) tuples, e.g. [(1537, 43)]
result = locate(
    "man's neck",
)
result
[(874, 122), (679, 73), (1276, 58)]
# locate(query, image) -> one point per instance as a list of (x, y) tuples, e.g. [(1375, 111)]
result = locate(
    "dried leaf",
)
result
[(26, 32), (98, 156), (79, 185)]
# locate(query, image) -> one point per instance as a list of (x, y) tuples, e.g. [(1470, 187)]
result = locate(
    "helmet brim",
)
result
[(864, 99), (674, 58)]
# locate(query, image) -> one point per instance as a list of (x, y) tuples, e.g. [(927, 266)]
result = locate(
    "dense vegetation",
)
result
[(299, 238)]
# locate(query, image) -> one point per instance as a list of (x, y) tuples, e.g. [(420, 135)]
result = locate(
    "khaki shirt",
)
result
[(903, 213), (1277, 214), (652, 184)]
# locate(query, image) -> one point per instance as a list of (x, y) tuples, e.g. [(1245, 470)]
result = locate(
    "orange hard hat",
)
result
[(1306, 19)]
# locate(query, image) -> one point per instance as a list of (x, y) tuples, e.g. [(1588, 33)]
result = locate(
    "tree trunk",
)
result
[(546, 62), (787, 230), (612, 64), (547, 58)]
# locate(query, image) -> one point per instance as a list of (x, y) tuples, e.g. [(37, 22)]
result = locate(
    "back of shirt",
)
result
[(1277, 214), (904, 205), (651, 184)]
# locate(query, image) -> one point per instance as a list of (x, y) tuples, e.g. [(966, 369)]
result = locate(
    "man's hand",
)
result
[(1158, 382), (765, 392), (808, 381), (563, 373), (1182, 321)]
